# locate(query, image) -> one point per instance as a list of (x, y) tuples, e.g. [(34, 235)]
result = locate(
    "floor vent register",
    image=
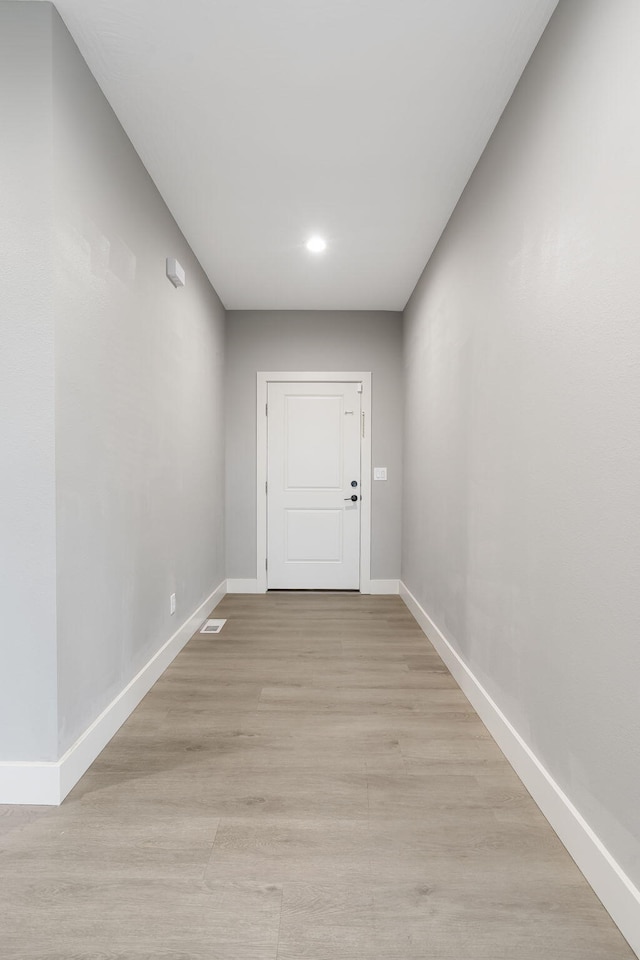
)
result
[(212, 626)]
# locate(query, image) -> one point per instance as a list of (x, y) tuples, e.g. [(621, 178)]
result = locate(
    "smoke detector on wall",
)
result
[(175, 272)]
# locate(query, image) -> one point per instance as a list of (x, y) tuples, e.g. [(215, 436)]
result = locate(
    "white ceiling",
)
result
[(264, 121)]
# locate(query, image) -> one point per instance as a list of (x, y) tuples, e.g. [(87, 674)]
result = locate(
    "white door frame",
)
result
[(263, 381)]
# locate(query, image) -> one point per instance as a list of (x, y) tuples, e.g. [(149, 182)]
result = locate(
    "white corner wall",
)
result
[(28, 724), (119, 436), (522, 450)]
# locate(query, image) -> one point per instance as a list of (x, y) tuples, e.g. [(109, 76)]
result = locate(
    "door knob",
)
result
[(353, 497)]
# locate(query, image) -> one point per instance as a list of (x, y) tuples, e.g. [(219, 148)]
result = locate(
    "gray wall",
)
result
[(135, 509), (313, 341), (27, 446), (139, 407), (522, 455)]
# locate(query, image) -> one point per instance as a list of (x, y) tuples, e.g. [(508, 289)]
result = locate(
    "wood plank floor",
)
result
[(308, 785)]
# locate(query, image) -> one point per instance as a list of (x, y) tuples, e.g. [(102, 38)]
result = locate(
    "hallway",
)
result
[(308, 784)]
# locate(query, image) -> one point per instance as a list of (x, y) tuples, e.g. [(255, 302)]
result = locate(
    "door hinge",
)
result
[(359, 388), (266, 486), (266, 563), (266, 409), (363, 423)]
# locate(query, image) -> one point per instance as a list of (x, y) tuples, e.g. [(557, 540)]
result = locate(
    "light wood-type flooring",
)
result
[(308, 785)]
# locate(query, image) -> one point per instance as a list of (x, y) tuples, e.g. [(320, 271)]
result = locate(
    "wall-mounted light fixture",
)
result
[(175, 272)]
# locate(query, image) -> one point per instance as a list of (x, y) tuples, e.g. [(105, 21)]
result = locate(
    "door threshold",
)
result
[(307, 590)]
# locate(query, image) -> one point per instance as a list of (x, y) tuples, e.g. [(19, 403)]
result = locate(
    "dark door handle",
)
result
[(353, 497)]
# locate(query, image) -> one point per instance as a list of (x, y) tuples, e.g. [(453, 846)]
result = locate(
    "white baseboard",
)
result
[(243, 586), (383, 587), (22, 781), (49, 783), (613, 887)]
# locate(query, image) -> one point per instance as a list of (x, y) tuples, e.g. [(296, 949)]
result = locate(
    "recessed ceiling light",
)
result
[(316, 245)]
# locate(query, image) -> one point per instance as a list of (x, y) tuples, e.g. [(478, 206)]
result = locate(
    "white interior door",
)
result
[(313, 486)]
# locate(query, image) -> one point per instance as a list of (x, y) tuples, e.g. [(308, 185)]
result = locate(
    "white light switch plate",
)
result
[(379, 473)]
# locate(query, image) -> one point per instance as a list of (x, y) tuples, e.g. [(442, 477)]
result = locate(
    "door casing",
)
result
[(263, 380)]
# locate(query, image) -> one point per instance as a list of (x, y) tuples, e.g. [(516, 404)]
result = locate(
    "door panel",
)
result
[(313, 456), (313, 535), (313, 450)]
